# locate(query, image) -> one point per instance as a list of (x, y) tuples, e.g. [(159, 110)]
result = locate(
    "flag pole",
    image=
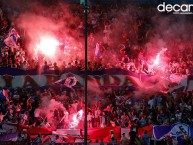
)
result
[(85, 72)]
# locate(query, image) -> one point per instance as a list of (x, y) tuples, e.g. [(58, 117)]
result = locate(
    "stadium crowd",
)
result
[(125, 43), (116, 107)]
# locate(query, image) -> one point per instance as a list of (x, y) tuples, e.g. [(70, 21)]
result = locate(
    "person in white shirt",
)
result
[(97, 113), (89, 119), (24, 65), (107, 32), (103, 120), (151, 103)]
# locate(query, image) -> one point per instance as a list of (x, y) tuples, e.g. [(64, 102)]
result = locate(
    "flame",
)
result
[(157, 59), (48, 45), (76, 118)]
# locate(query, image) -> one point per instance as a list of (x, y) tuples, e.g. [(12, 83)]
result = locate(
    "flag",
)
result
[(35, 130), (141, 130), (160, 131), (176, 131), (178, 82), (11, 40), (4, 95), (68, 82)]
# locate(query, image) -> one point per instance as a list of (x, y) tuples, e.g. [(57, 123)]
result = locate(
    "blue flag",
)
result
[(176, 131), (68, 82), (4, 95)]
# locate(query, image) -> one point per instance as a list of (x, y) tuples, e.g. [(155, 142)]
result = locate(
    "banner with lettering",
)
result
[(34, 81), (108, 78)]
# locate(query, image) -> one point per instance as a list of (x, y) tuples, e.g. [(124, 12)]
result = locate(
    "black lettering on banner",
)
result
[(106, 80), (30, 82), (8, 80), (178, 133), (182, 129), (116, 80)]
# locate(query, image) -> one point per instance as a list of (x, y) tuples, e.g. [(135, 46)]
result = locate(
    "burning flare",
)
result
[(157, 59), (76, 118), (48, 46)]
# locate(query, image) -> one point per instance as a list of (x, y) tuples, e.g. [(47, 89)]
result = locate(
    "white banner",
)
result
[(126, 131)]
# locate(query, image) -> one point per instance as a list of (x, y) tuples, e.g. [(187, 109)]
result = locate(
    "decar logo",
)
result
[(176, 8)]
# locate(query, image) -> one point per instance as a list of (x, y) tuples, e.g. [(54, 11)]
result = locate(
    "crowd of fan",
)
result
[(126, 44), (126, 110), (115, 107)]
